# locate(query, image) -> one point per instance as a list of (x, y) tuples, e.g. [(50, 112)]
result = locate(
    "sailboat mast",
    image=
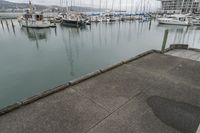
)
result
[(99, 5), (112, 5), (67, 8), (106, 4), (191, 10), (131, 7), (144, 6), (92, 4), (140, 7), (30, 7), (71, 4), (126, 4), (120, 6), (182, 6)]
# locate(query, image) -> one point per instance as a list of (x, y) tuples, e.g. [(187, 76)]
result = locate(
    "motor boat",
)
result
[(176, 19), (196, 21)]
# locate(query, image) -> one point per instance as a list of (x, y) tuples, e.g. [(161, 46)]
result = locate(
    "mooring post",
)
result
[(150, 25), (164, 40)]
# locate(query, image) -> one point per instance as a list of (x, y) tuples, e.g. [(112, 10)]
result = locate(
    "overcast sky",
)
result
[(153, 4)]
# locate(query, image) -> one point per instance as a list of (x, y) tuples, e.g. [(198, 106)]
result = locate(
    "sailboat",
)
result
[(73, 19), (129, 16), (34, 20)]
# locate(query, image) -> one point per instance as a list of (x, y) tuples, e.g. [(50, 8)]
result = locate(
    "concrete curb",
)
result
[(10, 108), (180, 46), (44, 94), (194, 49), (54, 90), (176, 46), (86, 77), (111, 67), (140, 56)]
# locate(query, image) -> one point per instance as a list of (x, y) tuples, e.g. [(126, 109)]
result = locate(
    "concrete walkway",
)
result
[(187, 54), (155, 94)]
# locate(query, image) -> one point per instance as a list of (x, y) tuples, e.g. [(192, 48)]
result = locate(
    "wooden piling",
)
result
[(13, 26), (2, 24), (6, 22), (12, 23), (7, 25), (164, 40)]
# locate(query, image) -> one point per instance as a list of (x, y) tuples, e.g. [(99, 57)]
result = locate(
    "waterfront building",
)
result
[(180, 6)]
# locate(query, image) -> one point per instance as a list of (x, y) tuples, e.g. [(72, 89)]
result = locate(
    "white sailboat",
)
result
[(73, 19), (95, 18), (34, 20), (57, 19)]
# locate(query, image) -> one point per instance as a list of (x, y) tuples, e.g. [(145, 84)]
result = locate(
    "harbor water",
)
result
[(35, 60)]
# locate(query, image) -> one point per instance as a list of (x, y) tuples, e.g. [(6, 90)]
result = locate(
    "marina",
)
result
[(45, 58)]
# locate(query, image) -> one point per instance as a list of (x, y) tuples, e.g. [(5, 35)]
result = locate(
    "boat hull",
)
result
[(73, 23), (196, 22), (173, 22), (35, 24)]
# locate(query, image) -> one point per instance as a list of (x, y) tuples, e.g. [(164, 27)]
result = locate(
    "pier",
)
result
[(150, 93)]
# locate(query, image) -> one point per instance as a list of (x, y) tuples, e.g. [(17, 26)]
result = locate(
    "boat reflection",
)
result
[(36, 34), (82, 28)]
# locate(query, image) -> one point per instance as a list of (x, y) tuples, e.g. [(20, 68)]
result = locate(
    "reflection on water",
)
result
[(36, 34), (34, 60)]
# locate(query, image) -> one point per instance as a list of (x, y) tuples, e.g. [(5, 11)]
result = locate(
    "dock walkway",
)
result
[(187, 54), (157, 93)]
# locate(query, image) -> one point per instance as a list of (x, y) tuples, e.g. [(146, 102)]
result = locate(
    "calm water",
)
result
[(33, 61)]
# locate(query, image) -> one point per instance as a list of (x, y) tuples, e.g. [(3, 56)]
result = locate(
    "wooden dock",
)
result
[(151, 93)]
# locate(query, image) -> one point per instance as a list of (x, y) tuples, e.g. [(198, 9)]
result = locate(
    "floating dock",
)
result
[(150, 93)]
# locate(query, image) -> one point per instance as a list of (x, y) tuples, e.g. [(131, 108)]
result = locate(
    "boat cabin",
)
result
[(179, 17), (39, 17), (27, 16)]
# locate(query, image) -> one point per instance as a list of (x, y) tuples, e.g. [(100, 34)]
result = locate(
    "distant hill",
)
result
[(11, 5), (5, 5)]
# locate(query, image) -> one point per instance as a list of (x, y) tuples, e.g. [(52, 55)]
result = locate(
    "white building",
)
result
[(178, 6)]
